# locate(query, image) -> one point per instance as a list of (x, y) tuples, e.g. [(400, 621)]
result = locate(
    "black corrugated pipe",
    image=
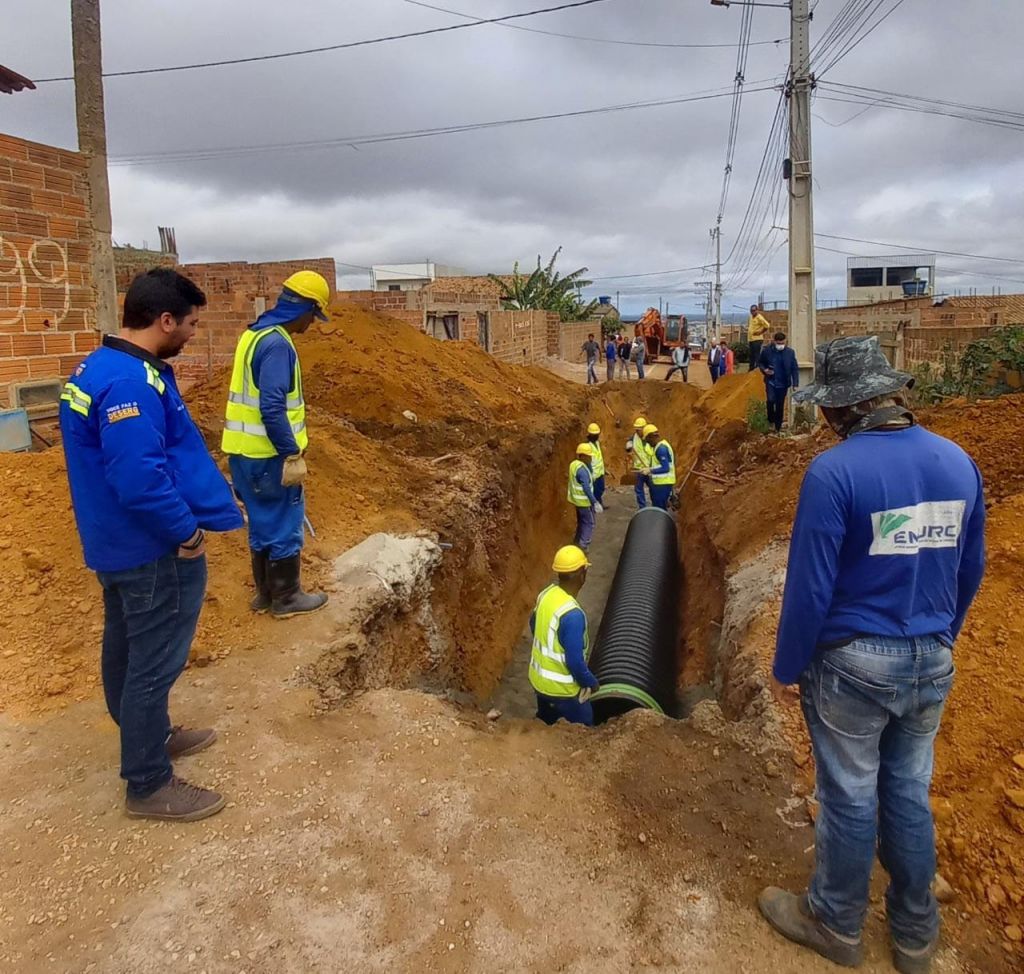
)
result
[(634, 656)]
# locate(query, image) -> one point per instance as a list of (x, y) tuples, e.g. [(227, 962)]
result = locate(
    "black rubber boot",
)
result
[(287, 597), (260, 575)]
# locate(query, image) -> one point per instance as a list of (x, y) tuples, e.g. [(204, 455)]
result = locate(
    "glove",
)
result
[(585, 694), (646, 471), (294, 471), (599, 508)]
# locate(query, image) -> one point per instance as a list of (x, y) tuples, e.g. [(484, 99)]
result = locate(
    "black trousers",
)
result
[(776, 402), (755, 354)]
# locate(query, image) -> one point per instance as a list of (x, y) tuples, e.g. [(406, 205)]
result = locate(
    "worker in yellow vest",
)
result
[(561, 645), (581, 495), (663, 466), (265, 438), (640, 458), (597, 469)]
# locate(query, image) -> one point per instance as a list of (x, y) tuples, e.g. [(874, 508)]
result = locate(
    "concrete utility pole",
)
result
[(92, 142), (717, 234), (802, 316)]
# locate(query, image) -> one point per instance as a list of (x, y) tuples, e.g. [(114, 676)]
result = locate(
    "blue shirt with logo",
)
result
[(141, 477), (889, 540)]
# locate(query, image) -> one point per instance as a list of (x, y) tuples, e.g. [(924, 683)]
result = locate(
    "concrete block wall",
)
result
[(520, 337), (47, 302), (572, 335)]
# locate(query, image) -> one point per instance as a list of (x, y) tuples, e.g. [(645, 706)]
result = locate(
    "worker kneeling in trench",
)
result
[(558, 663)]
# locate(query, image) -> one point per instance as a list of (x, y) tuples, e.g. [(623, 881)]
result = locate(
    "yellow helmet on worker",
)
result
[(594, 430), (585, 450), (639, 423), (649, 429), (314, 287), (569, 559)]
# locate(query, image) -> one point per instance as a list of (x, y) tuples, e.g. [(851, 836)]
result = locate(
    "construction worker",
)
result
[(561, 645), (581, 495), (597, 467), (265, 438), (886, 556), (757, 331), (640, 457), (144, 490), (662, 472)]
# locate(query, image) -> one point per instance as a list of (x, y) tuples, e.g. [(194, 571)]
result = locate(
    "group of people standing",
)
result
[(619, 354)]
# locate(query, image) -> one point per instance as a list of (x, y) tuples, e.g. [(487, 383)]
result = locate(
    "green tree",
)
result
[(547, 290)]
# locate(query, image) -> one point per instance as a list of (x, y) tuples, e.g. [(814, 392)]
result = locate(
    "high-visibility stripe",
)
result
[(551, 674), (79, 401), (292, 402), (256, 429), (153, 378)]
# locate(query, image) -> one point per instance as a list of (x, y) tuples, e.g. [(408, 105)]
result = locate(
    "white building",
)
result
[(410, 277), (873, 279)]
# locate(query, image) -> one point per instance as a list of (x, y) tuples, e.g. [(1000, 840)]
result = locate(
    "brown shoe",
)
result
[(177, 801), (185, 741), (791, 916)]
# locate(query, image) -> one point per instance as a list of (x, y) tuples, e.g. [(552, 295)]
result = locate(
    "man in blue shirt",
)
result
[(611, 353), (144, 489), (887, 554), (781, 373), (559, 673)]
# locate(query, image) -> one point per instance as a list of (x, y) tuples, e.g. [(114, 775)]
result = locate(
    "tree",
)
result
[(547, 290)]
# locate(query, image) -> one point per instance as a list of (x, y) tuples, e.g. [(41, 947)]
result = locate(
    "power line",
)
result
[(743, 47), (196, 155), (339, 47), (864, 34), (918, 248), (593, 40)]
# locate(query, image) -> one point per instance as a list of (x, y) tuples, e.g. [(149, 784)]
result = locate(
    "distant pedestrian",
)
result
[(637, 354), (624, 348), (781, 373), (757, 330), (728, 358), (680, 362), (592, 350), (715, 361), (611, 354)]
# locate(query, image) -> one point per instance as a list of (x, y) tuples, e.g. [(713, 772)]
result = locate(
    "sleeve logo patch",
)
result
[(124, 410), (910, 530)]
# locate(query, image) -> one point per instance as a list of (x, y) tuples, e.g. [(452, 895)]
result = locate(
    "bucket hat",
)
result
[(851, 370)]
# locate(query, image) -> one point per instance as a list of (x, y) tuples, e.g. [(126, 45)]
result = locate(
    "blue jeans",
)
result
[(611, 370), (599, 488), (641, 496), (640, 367), (553, 709), (275, 512), (585, 521), (660, 493), (150, 616), (591, 371), (873, 709)]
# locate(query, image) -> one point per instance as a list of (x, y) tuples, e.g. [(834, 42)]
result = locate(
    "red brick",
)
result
[(13, 369), (27, 174), (13, 148), (27, 344), (59, 180), (43, 365)]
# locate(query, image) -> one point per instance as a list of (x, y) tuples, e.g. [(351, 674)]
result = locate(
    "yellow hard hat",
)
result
[(584, 450), (570, 559), (649, 429), (639, 423), (309, 284), (594, 430)]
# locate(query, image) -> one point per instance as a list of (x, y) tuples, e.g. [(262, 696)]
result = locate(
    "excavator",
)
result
[(659, 339)]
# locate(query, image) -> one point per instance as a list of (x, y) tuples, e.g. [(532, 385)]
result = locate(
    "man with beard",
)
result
[(144, 490)]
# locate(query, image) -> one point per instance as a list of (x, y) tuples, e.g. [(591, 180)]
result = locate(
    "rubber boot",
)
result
[(260, 560), (287, 596)]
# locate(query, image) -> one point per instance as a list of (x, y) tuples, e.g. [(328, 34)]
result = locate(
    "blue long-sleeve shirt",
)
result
[(783, 363), (586, 481), (273, 370), (889, 540), (664, 458), (572, 628)]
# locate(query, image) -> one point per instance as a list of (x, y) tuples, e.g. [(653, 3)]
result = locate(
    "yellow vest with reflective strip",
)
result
[(244, 432), (641, 453), (577, 495), (661, 479), (548, 672), (598, 461)]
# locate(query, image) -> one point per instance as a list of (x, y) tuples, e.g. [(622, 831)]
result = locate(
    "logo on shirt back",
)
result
[(909, 530)]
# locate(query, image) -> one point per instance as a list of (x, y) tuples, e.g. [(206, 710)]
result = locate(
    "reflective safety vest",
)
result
[(548, 673), (577, 495), (597, 468), (669, 477), (641, 453), (244, 432)]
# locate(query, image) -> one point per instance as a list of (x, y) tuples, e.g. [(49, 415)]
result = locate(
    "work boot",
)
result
[(908, 961), (791, 916), (287, 597), (185, 741), (260, 560), (176, 801)]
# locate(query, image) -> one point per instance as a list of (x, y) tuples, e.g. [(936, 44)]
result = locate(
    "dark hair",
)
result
[(779, 336), (159, 290)]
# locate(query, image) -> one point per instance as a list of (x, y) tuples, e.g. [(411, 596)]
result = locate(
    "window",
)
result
[(394, 287), (895, 276), (866, 277)]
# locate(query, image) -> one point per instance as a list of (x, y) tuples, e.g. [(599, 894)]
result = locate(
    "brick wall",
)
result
[(572, 335), (520, 337), (47, 303)]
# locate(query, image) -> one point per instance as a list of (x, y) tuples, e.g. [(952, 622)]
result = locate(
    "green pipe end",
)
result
[(626, 692)]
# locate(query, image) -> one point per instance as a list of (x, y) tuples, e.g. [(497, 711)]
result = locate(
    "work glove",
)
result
[(599, 508), (586, 693), (294, 471)]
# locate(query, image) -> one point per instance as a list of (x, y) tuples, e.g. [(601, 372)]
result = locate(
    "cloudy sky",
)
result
[(625, 193)]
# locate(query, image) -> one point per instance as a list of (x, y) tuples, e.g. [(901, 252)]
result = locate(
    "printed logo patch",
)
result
[(125, 410), (909, 530)]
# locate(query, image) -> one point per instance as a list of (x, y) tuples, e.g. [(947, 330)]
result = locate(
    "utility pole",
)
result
[(707, 304), (92, 143), (802, 311), (716, 233)]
